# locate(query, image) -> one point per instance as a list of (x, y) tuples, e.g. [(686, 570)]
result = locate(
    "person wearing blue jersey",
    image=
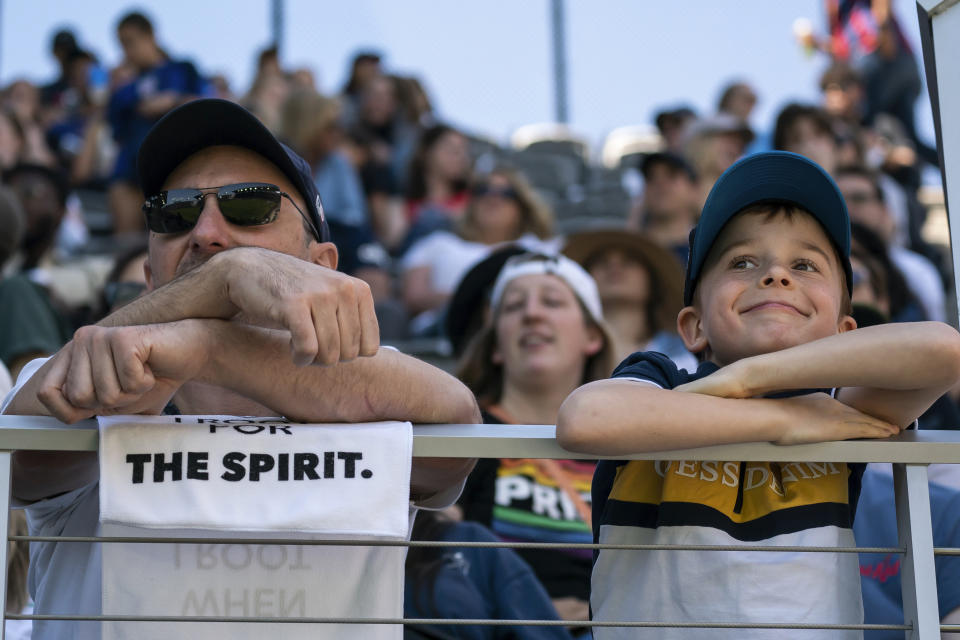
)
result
[(158, 84)]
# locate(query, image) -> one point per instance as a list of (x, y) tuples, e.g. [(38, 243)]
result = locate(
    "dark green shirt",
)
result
[(29, 324)]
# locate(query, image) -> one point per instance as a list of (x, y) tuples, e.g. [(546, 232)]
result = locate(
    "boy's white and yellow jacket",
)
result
[(722, 503)]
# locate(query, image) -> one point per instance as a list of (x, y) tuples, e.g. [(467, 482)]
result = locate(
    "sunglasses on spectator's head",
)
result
[(489, 190), (246, 204)]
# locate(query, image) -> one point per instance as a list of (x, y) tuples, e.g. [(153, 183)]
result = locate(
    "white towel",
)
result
[(228, 477)]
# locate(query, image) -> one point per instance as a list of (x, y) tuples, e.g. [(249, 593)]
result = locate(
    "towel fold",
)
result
[(255, 474)]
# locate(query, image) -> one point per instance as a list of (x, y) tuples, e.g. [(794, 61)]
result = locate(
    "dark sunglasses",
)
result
[(246, 204), (481, 190)]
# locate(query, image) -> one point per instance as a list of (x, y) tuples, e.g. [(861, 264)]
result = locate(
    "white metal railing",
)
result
[(909, 452)]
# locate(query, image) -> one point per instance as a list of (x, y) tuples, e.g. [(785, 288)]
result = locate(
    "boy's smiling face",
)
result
[(770, 281)]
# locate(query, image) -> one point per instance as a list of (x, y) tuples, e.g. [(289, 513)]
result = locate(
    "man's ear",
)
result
[(691, 330), (846, 323), (324, 254)]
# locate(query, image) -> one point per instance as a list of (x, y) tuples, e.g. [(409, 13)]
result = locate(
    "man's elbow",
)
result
[(430, 476), (460, 406), (469, 410), (40, 474)]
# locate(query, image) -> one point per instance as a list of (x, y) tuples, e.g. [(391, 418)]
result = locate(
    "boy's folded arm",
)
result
[(893, 371), (615, 417)]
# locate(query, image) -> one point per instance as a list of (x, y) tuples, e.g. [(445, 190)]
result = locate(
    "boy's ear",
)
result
[(846, 323), (691, 330)]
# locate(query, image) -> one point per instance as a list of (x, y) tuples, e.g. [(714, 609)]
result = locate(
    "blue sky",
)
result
[(487, 64)]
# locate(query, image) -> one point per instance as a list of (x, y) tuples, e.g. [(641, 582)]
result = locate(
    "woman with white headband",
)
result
[(544, 338)]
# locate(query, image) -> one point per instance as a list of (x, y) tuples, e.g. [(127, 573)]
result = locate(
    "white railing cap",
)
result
[(538, 441)]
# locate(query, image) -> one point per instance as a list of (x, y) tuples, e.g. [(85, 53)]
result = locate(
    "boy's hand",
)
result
[(727, 382), (816, 417)]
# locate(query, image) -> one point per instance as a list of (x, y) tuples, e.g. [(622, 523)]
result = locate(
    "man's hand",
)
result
[(330, 315), (105, 371), (816, 417)]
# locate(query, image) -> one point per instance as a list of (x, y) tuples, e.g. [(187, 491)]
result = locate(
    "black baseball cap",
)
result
[(211, 122), (765, 177)]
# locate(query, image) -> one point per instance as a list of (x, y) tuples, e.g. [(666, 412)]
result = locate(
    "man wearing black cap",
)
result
[(767, 298), (242, 297)]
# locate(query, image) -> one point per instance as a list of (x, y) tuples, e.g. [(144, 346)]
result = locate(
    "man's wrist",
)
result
[(214, 342), (199, 293), (216, 273)]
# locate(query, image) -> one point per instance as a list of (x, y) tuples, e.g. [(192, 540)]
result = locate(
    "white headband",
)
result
[(561, 266)]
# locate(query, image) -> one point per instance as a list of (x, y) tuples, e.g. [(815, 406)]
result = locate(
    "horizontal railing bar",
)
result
[(538, 441), (946, 551), (463, 622), (451, 544)]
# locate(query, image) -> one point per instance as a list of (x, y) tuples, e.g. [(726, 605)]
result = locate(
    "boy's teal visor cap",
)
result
[(771, 176)]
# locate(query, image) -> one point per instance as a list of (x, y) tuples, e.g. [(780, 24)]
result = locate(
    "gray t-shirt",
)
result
[(64, 577)]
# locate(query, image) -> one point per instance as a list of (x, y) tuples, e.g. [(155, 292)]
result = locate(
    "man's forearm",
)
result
[(256, 363), (199, 293)]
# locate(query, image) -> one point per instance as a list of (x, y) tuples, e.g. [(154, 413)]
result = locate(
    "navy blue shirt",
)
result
[(661, 370), (474, 583)]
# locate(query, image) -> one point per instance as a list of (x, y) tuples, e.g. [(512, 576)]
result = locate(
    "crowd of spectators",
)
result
[(437, 221)]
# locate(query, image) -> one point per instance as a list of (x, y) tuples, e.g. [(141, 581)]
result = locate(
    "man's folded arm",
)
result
[(330, 316), (137, 369), (388, 386), (255, 363)]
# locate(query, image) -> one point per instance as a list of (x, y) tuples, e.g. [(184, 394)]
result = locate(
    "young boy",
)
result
[(767, 299)]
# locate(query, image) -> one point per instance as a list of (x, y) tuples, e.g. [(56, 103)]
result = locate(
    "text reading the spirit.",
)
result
[(237, 466)]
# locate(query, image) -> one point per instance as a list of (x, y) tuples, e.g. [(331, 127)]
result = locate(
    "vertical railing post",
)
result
[(918, 574), (559, 28), (5, 527)]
